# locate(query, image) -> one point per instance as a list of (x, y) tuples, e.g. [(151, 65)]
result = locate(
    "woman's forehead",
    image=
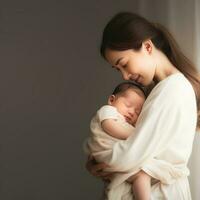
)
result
[(114, 56)]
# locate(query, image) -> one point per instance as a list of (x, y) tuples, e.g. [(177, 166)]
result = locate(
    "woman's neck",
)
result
[(164, 67)]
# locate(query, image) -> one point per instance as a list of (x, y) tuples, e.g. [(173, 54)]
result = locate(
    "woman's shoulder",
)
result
[(175, 88), (173, 96), (174, 84)]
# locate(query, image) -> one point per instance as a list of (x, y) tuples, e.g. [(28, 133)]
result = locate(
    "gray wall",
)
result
[(52, 80)]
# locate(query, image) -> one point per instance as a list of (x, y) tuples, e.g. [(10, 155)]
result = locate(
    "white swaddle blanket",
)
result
[(101, 142), (161, 144)]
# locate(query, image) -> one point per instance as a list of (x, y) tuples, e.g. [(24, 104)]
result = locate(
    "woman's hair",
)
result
[(128, 30)]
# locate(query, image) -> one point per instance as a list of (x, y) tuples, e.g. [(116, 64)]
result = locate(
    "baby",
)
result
[(116, 121)]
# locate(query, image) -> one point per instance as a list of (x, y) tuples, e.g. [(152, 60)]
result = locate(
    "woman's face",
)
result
[(134, 65)]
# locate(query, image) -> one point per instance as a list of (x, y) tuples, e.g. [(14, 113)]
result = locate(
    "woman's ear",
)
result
[(111, 100), (148, 45)]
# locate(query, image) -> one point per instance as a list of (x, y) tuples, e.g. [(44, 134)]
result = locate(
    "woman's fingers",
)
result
[(108, 177), (99, 167), (91, 162), (96, 169), (103, 174)]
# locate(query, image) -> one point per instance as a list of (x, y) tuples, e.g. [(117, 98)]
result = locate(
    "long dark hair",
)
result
[(128, 30)]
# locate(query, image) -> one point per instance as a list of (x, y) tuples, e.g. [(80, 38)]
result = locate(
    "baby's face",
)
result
[(129, 104)]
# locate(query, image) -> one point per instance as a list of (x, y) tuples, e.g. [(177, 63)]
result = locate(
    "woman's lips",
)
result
[(135, 78)]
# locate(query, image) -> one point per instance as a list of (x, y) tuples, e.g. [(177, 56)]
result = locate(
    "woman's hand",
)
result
[(97, 169)]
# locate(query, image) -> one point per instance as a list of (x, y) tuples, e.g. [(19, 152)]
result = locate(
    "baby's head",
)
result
[(128, 99)]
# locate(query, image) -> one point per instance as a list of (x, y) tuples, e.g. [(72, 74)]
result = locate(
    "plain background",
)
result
[(52, 80)]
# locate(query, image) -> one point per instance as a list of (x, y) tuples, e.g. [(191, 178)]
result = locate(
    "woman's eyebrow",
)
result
[(115, 68)]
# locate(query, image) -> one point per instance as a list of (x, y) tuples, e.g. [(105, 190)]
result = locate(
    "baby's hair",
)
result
[(124, 86)]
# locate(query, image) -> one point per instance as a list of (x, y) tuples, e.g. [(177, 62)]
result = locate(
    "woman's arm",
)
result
[(97, 169), (163, 126)]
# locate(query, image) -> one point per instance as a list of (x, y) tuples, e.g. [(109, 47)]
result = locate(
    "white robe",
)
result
[(162, 142)]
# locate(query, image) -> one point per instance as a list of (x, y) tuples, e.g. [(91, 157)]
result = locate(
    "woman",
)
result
[(161, 146)]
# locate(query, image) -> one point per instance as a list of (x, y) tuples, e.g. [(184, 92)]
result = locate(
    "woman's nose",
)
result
[(125, 76)]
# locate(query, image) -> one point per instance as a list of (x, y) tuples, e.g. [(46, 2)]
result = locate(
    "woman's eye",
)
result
[(124, 66), (117, 69)]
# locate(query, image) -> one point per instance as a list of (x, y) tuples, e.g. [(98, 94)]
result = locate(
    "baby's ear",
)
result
[(111, 100)]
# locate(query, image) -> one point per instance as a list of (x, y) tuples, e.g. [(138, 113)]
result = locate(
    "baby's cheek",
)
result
[(134, 119)]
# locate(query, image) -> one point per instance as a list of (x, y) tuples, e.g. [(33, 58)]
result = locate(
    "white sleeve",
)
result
[(107, 112)]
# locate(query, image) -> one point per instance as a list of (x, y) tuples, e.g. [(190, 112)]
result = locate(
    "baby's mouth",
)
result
[(128, 119)]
